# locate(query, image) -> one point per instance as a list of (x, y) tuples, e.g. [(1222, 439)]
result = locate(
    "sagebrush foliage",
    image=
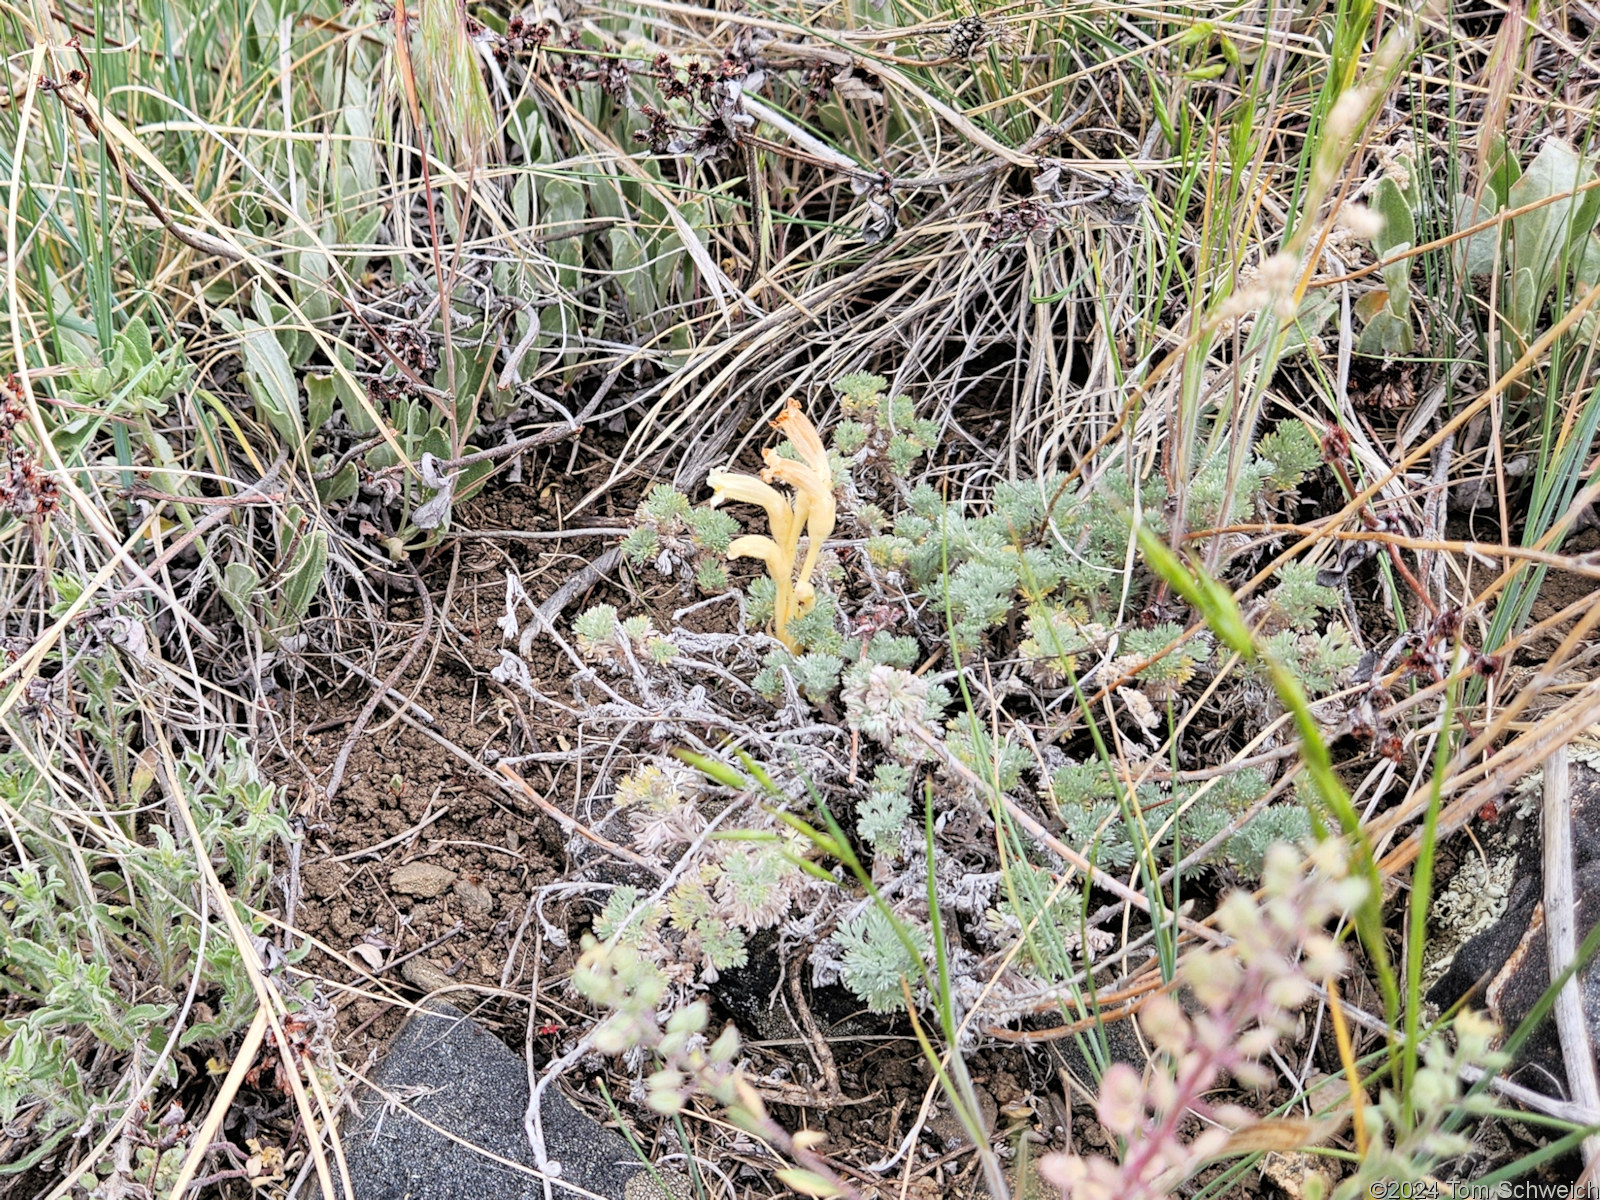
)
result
[(678, 538)]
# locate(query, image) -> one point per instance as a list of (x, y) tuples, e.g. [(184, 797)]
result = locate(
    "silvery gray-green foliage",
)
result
[(729, 891), (678, 538), (828, 657), (875, 960), (688, 934), (1321, 660), (877, 432), (881, 817), (1162, 678), (602, 636), (1292, 452), (62, 931), (1043, 548), (1041, 555), (1298, 599), (307, 385), (1086, 799), (702, 926)]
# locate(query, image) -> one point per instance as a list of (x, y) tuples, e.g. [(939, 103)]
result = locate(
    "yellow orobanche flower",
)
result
[(812, 479), (747, 489), (812, 509)]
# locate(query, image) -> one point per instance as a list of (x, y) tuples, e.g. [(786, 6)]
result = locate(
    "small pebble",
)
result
[(421, 879)]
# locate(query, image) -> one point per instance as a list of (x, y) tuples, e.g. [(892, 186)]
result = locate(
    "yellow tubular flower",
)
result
[(799, 429), (812, 481), (818, 530), (802, 515), (747, 489), (753, 545), (813, 510)]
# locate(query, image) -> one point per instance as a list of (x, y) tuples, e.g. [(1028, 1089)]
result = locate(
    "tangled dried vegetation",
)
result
[(1027, 537)]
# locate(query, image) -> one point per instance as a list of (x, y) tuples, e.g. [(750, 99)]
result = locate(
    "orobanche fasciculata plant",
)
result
[(903, 899), (812, 509)]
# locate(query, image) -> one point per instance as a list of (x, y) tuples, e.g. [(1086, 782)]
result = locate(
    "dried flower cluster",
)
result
[(26, 491), (710, 95), (573, 64), (1028, 219), (521, 37), (819, 81), (659, 133), (694, 82), (12, 411), (967, 37)]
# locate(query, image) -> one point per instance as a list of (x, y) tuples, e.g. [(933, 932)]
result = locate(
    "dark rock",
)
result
[(1525, 978), (460, 1078), (1506, 967), (1480, 958)]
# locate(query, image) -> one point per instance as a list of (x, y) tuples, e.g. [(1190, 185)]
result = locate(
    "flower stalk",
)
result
[(1247, 1000)]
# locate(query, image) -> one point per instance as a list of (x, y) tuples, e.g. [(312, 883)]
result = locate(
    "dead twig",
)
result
[(819, 1044), (1561, 943), (572, 825), (578, 584)]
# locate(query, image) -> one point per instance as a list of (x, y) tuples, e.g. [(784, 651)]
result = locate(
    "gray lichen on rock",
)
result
[(1473, 901)]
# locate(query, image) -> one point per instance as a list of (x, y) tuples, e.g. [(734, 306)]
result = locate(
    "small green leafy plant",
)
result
[(97, 951), (677, 538)]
